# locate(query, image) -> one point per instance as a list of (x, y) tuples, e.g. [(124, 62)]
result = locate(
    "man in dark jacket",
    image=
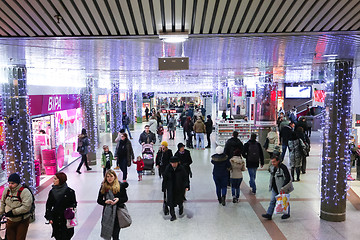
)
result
[(279, 179), (126, 122), (175, 183), (163, 157), (209, 129), (147, 136), (184, 158), (232, 144), (254, 155), (285, 134)]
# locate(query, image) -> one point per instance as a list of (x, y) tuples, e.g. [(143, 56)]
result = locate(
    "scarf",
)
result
[(59, 191), (108, 218)]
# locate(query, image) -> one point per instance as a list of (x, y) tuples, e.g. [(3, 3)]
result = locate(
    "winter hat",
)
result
[(62, 177), (164, 143), (15, 178), (180, 145), (83, 131), (219, 150), (174, 159)]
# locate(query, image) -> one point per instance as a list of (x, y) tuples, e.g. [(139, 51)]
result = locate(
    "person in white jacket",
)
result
[(153, 124), (236, 176), (272, 140)]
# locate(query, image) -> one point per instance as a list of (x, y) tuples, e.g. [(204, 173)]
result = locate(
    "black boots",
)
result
[(223, 198)]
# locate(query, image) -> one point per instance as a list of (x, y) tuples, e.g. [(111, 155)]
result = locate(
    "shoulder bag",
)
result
[(123, 217)]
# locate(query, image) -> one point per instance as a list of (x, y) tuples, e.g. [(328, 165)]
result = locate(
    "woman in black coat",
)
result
[(60, 197), (184, 158), (124, 154), (189, 127), (118, 189), (163, 157), (220, 173), (209, 129)]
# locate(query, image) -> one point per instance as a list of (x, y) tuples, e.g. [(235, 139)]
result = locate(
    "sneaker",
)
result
[(285, 216), (234, 200), (267, 216), (173, 218), (78, 171)]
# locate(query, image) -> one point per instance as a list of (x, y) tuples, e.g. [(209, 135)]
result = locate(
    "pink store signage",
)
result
[(45, 104)]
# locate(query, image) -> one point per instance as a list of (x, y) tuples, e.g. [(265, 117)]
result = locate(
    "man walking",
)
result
[(209, 129), (279, 182), (16, 203), (147, 137), (175, 183), (253, 154), (126, 122), (285, 134), (232, 144)]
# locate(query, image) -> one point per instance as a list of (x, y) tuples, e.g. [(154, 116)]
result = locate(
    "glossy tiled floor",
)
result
[(204, 218)]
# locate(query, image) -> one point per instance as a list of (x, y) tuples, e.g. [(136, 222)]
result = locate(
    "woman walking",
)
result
[(172, 126), (83, 143), (124, 154), (296, 147), (112, 195), (60, 198), (220, 173), (272, 140)]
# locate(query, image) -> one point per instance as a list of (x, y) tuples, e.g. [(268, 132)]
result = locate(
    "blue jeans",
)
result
[(235, 186), (271, 207), (252, 175), (221, 185), (284, 147), (199, 136), (128, 129)]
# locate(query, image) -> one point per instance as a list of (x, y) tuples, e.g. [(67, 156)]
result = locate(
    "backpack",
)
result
[(253, 153), (32, 209), (160, 131), (81, 147)]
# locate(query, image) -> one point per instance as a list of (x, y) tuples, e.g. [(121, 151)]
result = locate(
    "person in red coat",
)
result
[(139, 167)]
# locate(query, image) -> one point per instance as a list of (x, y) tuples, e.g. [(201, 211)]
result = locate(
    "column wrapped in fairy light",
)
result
[(139, 103), (336, 126), (130, 104), (116, 118), (88, 105), (19, 150)]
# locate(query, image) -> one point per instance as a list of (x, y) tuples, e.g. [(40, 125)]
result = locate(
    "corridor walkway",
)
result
[(204, 218)]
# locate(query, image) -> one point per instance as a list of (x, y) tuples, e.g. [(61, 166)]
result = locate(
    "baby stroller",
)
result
[(148, 158), (3, 227)]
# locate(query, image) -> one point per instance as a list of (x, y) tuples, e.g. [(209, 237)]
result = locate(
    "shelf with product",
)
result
[(224, 130)]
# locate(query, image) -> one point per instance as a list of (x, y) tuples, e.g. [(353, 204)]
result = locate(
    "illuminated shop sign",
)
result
[(45, 104)]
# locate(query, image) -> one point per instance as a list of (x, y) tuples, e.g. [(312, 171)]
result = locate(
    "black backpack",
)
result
[(253, 153), (81, 147), (32, 209)]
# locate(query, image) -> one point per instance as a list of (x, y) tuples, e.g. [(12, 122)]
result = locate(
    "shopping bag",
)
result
[(70, 223), (282, 203)]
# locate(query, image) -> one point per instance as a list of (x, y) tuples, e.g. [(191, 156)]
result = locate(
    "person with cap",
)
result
[(209, 129), (220, 173), (83, 143), (16, 202), (60, 200), (184, 158), (175, 184), (147, 137), (163, 157)]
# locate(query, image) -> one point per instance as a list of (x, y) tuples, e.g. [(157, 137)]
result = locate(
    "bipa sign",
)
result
[(54, 103)]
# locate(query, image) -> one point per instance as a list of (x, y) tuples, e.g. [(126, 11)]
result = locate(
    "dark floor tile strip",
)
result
[(270, 226), (89, 224), (354, 199)]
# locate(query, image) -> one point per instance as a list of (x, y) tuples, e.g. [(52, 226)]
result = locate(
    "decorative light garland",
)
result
[(116, 116)]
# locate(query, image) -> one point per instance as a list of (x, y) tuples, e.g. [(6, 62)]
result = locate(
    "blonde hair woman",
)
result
[(112, 195)]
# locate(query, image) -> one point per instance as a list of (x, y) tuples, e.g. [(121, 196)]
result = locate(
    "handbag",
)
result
[(123, 217), (288, 188), (282, 203), (69, 213), (70, 223)]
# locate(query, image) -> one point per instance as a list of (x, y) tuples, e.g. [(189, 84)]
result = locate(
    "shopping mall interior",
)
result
[(68, 65)]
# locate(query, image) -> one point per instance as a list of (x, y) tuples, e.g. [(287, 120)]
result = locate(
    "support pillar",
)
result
[(116, 115), (88, 104), (139, 103), (19, 150), (336, 128), (130, 104)]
